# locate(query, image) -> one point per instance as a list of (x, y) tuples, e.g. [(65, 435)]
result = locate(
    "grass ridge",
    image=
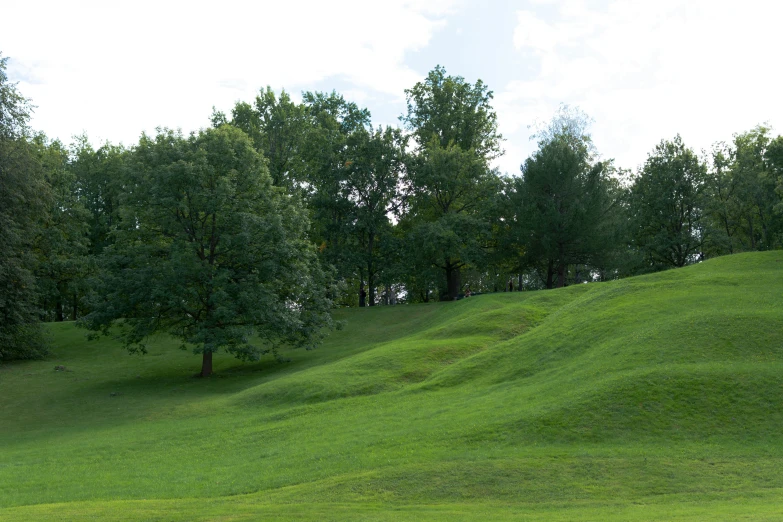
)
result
[(592, 401)]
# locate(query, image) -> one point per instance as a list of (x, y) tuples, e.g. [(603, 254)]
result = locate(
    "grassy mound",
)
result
[(653, 398)]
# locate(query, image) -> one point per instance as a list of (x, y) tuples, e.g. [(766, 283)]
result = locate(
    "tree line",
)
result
[(243, 235)]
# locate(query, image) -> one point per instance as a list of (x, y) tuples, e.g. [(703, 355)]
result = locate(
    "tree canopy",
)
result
[(668, 220), (242, 237)]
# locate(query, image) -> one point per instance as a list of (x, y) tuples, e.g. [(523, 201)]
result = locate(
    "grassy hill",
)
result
[(653, 398)]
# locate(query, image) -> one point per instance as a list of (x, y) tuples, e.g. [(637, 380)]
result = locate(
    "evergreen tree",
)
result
[(561, 201)]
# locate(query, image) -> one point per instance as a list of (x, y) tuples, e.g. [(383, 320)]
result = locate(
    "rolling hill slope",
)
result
[(654, 398)]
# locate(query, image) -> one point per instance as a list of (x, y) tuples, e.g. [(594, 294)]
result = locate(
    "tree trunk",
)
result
[(75, 309), (519, 282), (453, 280), (58, 309), (206, 364), (370, 270), (728, 233), (764, 240), (362, 289), (550, 272), (371, 289), (561, 270)]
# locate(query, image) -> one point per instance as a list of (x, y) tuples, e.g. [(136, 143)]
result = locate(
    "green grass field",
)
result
[(653, 398)]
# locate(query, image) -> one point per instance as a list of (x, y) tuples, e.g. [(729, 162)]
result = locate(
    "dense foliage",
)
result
[(24, 198), (240, 237), (208, 250)]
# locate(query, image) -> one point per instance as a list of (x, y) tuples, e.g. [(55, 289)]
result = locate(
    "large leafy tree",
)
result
[(448, 188), (740, 193), (24, 199), (455, 131), (667, 202), (209, 251)]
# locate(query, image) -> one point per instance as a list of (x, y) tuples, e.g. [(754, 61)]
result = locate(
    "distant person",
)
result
[(392, 297), (510, 284), (362, 296), (467, 291)]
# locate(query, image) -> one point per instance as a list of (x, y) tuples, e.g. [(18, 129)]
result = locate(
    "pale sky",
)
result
[(644, 70)]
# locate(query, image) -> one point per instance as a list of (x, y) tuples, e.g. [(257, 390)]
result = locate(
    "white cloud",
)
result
[(643, 70), (648, 70), (116, 69)]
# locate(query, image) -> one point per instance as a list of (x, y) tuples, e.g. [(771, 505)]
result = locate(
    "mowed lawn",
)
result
[(653, 398)]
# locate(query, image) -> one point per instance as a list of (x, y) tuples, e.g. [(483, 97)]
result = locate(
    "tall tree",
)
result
[(446, 110), (209, 251), (62, 244), (562, 199), (667, 206), (308, 152), (722, 206), (741, 198), (448, 188), (99, 177), (616, 256), (373, 170), (24, 198), (278, 128), (455, 130), (774, 157), (755, 189), (331, 122)]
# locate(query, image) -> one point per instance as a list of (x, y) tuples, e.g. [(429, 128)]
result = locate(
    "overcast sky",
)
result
[(644, 70)]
